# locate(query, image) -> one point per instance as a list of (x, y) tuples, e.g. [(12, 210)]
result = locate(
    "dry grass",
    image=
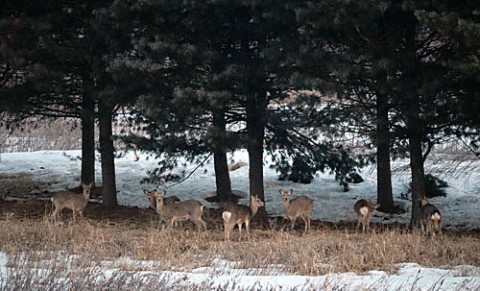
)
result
[(325, 249), (136, 233), (36, 244)]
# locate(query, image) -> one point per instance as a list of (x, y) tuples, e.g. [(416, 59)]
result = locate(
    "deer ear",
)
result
[(290, 191), (280, 191)]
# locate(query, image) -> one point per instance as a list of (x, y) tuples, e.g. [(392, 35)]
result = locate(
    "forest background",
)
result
[(321, 86)]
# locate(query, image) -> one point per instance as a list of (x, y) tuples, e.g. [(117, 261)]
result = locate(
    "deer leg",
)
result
[(309, 223), (359, 221), (247, 227), (57, 211), (201, 225), (239, 232), (228, 230), (306, 220)]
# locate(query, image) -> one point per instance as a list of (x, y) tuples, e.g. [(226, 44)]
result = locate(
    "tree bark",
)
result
[(415, 125), (109, 190), (222, 176), (256, 121), (88, 140), (415, 136), (384, 172)]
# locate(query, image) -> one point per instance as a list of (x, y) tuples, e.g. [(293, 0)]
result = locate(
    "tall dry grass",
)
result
[(323, 250)]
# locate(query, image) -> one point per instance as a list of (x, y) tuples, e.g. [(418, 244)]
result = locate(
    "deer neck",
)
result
[(153, 203), (86, 194), (160, 205), (254, 208)]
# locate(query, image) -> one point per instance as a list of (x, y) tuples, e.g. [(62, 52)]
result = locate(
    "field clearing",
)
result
[(128, 249)]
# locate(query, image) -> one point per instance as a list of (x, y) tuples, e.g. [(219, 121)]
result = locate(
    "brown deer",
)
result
[(184, 210), (300, 206), (166, 200), (69, 200), (430, 218), (235, 214), (364, 210)]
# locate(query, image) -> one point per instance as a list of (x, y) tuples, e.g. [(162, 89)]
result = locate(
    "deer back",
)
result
[(297, 206), (242, 213), (68, 199), (237, 213), (365, 207), (183, 209), (428, 211)]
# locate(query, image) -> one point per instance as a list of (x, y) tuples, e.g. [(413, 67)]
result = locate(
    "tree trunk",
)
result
[(256, 121), (384, 173), (222, 176), (88, 140), (415, 136), (109, 189), (415, 125)]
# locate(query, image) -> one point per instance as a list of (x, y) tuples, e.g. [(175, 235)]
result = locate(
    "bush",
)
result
[(299, 172), (433, 187)]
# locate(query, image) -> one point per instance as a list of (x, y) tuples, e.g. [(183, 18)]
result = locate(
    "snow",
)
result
[(459, 208)]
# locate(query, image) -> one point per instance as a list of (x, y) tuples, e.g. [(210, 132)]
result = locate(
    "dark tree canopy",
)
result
[(306, 82)]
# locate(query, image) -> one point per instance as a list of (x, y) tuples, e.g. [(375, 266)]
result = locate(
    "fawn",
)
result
[(430, 217), (75, 202), (235, 214), (300, 206), (364, 210), (184, 210)]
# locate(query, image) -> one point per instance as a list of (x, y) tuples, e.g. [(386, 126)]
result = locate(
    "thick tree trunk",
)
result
[(415, 137), (384, 173), (109, 189), (222, 176), (88, 140), (415, 125), (256, 121)]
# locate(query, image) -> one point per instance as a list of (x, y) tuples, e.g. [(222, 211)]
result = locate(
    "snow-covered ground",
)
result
[(460, 209)]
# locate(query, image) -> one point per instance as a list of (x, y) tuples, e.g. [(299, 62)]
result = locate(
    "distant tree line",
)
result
[(296, 80)]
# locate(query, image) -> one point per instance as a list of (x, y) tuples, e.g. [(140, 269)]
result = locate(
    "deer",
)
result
[(300, 206), (235, 214), (364, 210), (69, 200), (178, 211), (430, 218), (166, 200)]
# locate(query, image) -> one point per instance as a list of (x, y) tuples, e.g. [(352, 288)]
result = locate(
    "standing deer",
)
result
[(430, 218), (166, 200), (184, 210), (300, 206), (235, 214), (364, 210), (75, 202)]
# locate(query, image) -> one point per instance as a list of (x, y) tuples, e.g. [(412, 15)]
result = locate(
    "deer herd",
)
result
[(172, 209)]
